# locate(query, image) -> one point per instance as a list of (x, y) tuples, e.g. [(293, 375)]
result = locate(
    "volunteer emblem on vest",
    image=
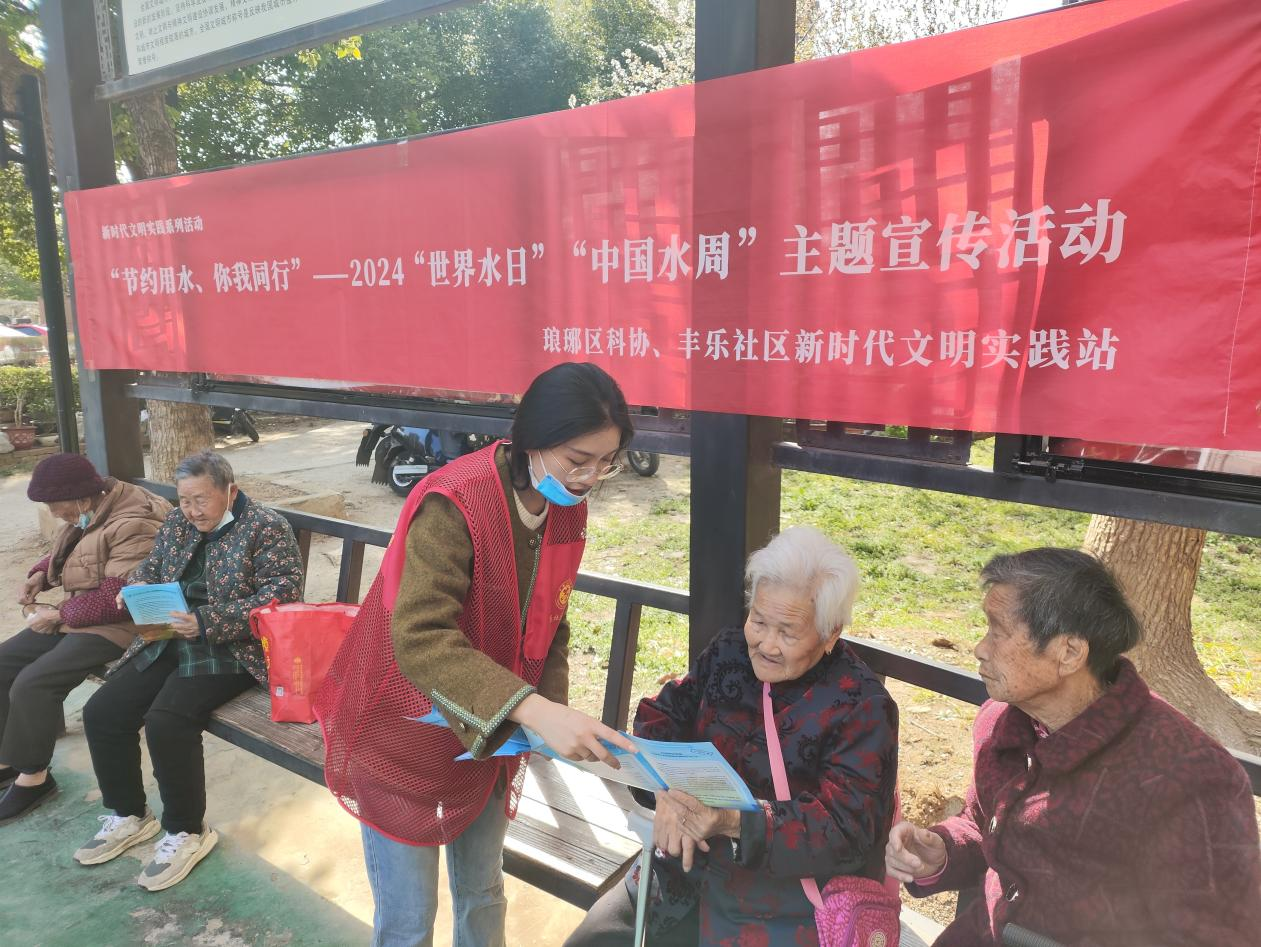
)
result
[(562, 596)]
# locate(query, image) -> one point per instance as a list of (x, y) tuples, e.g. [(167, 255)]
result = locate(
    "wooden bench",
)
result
[(573, 833), (572, 836)]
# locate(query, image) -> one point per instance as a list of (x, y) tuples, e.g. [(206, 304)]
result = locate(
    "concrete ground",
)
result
[(288, 869)]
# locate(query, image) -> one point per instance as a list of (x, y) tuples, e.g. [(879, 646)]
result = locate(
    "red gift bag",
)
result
[(300, 641)]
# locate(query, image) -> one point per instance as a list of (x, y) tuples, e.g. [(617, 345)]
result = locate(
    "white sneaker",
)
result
[(118, 833), (175, 857)]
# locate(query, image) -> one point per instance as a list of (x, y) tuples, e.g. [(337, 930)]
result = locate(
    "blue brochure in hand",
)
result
[(698, 769), (153, 604)]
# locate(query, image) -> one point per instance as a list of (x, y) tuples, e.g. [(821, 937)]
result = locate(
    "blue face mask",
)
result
[(84, 520), (551, 489)]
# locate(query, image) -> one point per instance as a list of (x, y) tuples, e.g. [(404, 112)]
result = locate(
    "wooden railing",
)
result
[(630, 599)]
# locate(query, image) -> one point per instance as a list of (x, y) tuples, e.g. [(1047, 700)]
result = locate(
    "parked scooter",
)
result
[(643, 462), (403, 455), (229, 421)]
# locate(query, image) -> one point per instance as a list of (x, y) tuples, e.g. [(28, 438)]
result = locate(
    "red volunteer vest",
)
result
[(399, 776)]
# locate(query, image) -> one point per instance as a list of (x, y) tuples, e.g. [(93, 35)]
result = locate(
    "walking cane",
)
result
[(641, 903), (641, 823)]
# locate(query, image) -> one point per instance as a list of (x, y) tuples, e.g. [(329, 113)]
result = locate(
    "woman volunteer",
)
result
[(468, 616)]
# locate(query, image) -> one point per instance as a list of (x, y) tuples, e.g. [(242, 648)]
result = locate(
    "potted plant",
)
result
[(19, 389)]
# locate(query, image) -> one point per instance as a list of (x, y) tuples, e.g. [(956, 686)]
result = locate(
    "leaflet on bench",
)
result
[(697, 769)]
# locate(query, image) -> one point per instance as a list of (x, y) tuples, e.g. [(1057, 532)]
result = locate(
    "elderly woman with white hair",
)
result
[(723, 876)]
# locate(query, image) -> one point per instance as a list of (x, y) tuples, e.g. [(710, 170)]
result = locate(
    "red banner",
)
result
[(1039, 226)]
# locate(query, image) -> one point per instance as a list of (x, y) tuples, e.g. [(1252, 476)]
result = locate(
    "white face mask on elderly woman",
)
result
[(203, 503)]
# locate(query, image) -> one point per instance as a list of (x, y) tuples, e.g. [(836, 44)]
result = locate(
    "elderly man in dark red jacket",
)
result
[(1098, 815)]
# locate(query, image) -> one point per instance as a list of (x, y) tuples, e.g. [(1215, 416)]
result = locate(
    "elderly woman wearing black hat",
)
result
[(73, 625)]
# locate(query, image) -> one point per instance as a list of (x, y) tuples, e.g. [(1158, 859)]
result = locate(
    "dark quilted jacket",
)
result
[(251, 564), (1128, 827), (838, 728)]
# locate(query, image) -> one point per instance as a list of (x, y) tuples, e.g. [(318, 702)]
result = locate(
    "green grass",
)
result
[(1226, 613), (919, 553)]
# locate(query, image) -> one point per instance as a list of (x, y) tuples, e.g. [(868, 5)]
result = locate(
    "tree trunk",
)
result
[(1157, 566), (155, 135), (175, 430)]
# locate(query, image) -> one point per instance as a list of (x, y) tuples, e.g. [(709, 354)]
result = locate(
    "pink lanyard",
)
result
[(780, 778)]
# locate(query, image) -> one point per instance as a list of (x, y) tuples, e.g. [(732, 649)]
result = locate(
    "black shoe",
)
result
[(19, 800), (7, 775)]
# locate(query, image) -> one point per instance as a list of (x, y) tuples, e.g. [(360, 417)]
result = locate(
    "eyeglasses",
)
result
[(580, 474)]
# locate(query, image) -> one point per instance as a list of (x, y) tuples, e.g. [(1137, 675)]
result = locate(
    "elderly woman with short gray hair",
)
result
[(229, 556), (722, 876), (1098, 814)]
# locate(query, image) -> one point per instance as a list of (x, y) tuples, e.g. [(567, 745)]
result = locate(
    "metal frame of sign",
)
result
[(382, 13)]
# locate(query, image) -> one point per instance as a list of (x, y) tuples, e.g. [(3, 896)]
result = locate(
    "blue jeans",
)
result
[(404, 881)]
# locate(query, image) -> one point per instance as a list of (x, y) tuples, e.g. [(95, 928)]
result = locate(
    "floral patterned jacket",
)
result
[(249, 564), (838, 728)]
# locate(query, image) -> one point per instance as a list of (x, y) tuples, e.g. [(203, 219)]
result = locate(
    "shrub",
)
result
[(33, 386)]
